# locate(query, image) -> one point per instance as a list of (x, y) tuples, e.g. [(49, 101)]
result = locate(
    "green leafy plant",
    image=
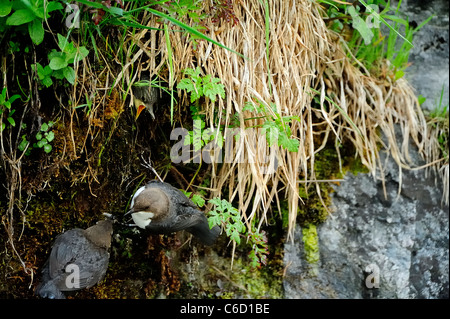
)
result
[(361, 25), (23, 145), (197, 199), (43, 139), (14, 47), (368, 43), (60, 60), (195, 137), (31, 13), (198, 86), (5, 108), (59, 67), (44, 74), (260, 248), (199, 136), (228, 217), (421, 99), (276, 127), (224, 214), (186, 9)]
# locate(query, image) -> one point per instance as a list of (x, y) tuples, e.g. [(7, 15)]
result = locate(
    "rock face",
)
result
[(429, 70), (402, 240)]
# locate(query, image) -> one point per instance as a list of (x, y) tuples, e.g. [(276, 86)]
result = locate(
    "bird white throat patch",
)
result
[(142, 219)]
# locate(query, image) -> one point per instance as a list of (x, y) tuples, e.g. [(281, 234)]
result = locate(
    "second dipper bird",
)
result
[(161, 208), (145, 96), (79, 259)]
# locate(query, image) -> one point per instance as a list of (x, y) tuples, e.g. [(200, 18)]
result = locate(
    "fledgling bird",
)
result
[(161, 208), (79, 259), (145, 96)]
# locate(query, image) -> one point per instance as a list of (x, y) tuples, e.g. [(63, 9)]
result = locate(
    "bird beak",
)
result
[(140, 108)]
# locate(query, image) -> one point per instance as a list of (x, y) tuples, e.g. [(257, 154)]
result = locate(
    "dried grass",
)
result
[(436, 162), (303, 54)]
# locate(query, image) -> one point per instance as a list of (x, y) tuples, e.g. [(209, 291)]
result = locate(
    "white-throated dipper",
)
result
[(161, 208), (79, 259)]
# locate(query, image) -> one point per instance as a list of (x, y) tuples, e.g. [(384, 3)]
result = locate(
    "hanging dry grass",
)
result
[(302, 62), (305, 59), (303, 54), (437, 152)]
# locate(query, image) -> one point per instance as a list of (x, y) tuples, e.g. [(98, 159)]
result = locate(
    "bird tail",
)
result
[(204, 233), (49, 290)]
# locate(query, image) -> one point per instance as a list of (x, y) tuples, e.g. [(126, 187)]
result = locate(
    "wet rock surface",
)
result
[(429, 69), (401, 238), (405, 236)]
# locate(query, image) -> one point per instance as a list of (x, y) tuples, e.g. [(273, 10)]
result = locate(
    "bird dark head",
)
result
[(148, 204), (144, 96), (100, 233)]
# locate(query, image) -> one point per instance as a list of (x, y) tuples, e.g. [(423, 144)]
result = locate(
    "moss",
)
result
[(259, 283), (326, 166), (355, 166), (311, 243), (205, 272), (313, 211), (242, 281)]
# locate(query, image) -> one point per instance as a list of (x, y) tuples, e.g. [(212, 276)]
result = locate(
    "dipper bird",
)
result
[(79, 259), (161, 208), (145, 96)]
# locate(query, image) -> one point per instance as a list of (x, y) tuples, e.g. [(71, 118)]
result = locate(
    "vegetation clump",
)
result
[(302, 98)]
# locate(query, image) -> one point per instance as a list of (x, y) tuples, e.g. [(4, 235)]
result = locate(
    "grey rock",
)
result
[(429, 69), (405, 236)]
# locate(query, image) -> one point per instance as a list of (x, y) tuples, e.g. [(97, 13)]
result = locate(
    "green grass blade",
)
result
[(267, 23), (191, 30), (119, 16), (423, 23), (396, 19), (169, 56), (371, 11)]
